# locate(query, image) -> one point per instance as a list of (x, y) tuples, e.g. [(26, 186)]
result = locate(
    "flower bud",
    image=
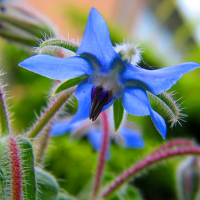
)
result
[(17, 176), (189, 179)]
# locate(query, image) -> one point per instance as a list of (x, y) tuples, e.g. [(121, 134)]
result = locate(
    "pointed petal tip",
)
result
[(164, 134), (23, 63), (162, 129), (94, 11)]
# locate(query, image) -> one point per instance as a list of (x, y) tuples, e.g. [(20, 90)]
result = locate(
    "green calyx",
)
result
[(69, 83), (51, 46), (118, 114)]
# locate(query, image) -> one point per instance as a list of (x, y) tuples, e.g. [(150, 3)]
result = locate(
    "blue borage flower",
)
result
[(109, 78), (126, 137)]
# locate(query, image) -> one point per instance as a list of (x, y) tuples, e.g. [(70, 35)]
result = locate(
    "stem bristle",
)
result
[(5, 114)]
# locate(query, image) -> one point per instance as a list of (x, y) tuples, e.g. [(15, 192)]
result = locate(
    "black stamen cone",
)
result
[(98, 105)]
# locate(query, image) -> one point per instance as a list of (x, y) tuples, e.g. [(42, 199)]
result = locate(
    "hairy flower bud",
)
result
[(17, 178)]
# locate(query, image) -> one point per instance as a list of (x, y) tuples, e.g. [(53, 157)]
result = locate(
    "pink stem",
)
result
[(16, 173), (50, 112), (174, 144), (102, 156), (147, 162), (43, 142)]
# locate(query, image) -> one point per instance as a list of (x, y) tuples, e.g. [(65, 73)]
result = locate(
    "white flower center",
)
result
[(109, 81)]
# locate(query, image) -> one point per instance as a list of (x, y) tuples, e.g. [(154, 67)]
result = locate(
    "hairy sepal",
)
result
[(51, 46), (17, 176), (169, 105), (68, 84)]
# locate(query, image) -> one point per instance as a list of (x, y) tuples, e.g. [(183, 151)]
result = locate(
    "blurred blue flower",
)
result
[(109, 77), (126, 137)]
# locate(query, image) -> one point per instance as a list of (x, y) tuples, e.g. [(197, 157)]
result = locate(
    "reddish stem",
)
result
[(50, 112), (174, 144), (43, 142), (102, 156), (16, 173), (147, 162)]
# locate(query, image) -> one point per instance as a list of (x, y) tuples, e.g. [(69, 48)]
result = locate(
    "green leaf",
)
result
[(118, 113), (27, 165), (47, 185), (127, 192), (69, 83), (63, 195), (4, 169)]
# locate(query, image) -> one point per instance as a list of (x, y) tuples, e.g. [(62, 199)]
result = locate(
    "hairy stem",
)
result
[(147, 162), (4, 123), (180, 142), (51, 110), (102, 156), (43, 142), (16, 172)]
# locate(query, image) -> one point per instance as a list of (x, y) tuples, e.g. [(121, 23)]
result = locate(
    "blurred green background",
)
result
[(74, 162)]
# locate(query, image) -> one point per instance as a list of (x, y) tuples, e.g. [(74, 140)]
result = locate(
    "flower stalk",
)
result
[(102, 156), (147, 162), (176, 143), (50, 112), (43, 142)]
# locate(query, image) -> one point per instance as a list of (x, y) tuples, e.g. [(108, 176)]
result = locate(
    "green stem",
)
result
[(4, 123), (53, 108), (16, 38), (35, 29), (43, 142)]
